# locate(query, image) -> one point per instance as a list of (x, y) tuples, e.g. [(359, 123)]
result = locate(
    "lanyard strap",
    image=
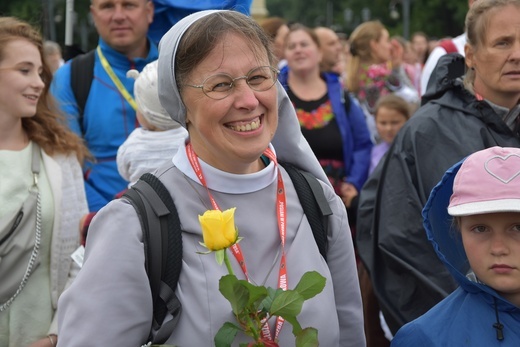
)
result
[(281, 212), (115, 79)]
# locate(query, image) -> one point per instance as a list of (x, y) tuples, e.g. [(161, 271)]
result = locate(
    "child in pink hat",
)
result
[(472, 219)]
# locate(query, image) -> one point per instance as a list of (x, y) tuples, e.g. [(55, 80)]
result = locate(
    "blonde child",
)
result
[(391, 112), (473, 221)]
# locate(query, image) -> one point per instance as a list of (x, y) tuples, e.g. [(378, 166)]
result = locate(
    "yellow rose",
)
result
[(218, 229)]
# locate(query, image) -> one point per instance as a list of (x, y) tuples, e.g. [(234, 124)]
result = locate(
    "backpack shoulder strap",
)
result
[(314, 204), (81, 76), (163, 250)]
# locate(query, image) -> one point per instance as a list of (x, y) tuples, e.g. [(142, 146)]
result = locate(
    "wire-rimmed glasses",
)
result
[(219, 86)]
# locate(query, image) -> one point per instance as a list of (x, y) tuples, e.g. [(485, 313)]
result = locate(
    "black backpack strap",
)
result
[(314, 204), (162, 240), (81, 76)]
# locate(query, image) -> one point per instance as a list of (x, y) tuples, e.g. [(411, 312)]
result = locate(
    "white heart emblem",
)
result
[(495, 166)]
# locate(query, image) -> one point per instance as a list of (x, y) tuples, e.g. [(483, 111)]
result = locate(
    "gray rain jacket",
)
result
[(407, 275)]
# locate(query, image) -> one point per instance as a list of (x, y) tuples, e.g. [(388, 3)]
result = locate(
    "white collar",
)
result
[(226, 182)]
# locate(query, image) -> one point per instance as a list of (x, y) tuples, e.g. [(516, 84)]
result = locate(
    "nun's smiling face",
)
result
[(232, 133)]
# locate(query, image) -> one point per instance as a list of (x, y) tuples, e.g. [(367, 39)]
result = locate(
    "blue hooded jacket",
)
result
[(470, 315), (357, 144)]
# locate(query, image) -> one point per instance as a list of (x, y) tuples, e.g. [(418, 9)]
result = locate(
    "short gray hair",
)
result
[(476, 24)]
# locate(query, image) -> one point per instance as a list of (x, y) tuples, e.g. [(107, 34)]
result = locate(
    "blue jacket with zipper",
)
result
[(107, 121)]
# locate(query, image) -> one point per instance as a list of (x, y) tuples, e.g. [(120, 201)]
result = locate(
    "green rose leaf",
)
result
[(287, 303), (256, 293), (311, 284), (234, 292), (226, 335), (308, 337), (268, 301), (295, 324)]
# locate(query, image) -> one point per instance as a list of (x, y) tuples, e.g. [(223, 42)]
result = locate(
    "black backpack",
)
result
[(81, 75), (163, 241)]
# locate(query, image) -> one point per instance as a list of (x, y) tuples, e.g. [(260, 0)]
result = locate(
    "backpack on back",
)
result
[(81, 76), (162, 238)]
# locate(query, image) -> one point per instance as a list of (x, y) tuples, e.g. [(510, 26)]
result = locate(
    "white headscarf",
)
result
[(288, 141)]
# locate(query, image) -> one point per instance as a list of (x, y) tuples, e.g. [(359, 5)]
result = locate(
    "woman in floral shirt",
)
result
[(375, 69), (331, 121)]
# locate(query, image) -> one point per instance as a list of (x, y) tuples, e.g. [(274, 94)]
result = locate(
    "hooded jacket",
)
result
[(407, 275), (471, 315)]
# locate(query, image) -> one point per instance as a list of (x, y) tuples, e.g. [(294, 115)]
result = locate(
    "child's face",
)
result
[(388, 123), (492, 244)]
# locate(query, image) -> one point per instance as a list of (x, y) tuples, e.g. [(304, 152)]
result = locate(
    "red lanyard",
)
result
[(281, 211)]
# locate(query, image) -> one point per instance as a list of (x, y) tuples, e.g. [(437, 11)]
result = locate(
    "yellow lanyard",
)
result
[(116, 80)]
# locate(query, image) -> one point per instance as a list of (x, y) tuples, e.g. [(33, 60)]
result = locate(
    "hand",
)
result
[(348, 193)]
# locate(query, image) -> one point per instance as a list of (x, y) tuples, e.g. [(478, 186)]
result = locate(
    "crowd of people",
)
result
[(414, 147)]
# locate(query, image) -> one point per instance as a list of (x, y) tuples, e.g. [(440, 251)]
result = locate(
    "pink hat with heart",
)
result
[(488, 181)]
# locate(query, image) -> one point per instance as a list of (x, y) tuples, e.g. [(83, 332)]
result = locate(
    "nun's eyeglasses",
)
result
[(219, 86)]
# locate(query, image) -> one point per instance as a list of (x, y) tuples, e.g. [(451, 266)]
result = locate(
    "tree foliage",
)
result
[(28, 10), (49, 17), (437, 18)]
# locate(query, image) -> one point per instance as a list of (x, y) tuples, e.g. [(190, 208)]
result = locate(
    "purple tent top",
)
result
[(168, 12)]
